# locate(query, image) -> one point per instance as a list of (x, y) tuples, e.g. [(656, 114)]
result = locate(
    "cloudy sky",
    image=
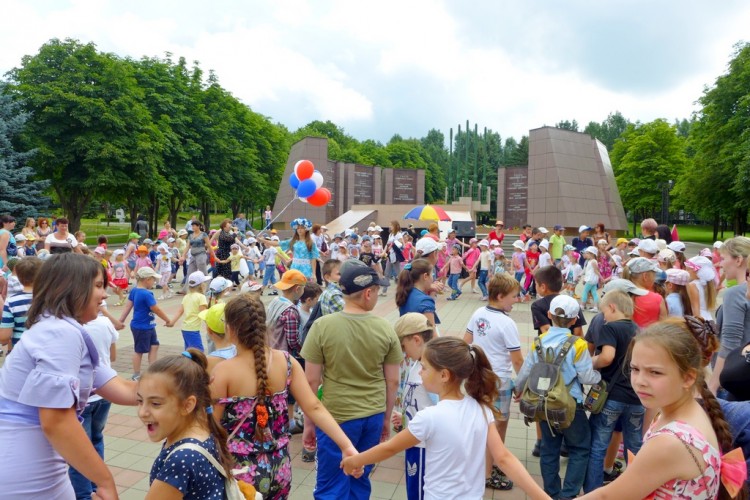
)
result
[(379, 68)]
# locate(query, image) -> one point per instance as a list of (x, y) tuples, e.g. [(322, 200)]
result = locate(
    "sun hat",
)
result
[(233, 246), (197, 278), (499, 223), (484, 243), (148, 241), (494, 243), (592, 250), (660, 244), (703, 268), (677, 246), (498, 252), (519, 245), (718, 244), (163, 246), (634, 241), (356, 276), (291, 278), (623, 285), (147, 272), (602, 242), (100, 250), (642, 265), (30, 237), (170, 240), (678, 276), (666, 255), (117, 252), (648, 246), (20, 237), (274, 238), (343, 244), (620, 241), (567, 304), (214, 317), (219, 284), (544, 244), (634, 252), (473, 240), (411, 323), (568, 248), (705, 252), (142, 249), (426, 246), (182, 232), (134, 236), (251, 286)]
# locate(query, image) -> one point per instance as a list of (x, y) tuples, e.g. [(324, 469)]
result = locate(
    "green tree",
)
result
[(88, 122), (609, 130), (22, 196), (567, 125)]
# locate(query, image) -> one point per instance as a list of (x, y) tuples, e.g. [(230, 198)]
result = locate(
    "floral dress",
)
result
[(262, 454), (302, 258), (605, 268)]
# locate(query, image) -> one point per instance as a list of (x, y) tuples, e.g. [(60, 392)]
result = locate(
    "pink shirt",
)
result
[(647, 309), (470, 256), (455, 264)]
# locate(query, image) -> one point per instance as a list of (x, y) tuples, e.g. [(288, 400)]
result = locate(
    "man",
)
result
[(582, 242), (355, 355), (240, 223), (648, 229), (497, 233), (189, 224)]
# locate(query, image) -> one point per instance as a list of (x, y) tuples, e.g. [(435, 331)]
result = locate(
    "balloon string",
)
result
[(279, 214)]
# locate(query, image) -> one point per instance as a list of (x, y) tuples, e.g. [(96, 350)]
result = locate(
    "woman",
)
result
[(141, 227), (304, 252), (61, 241), (663, 233), (733, 317), (166, 231), (224, 238), (600, 233), (29, 229), (7, 242), (46, 383), (320, 238), (196, 252), (43, 230), (394, 255)]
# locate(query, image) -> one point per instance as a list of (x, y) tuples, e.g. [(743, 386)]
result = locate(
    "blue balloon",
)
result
[(293, 181), (306, 188)]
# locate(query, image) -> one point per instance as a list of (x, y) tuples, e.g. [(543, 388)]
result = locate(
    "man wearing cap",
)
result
[(497, 233), (355, 355), (582, 242), (557, 244)]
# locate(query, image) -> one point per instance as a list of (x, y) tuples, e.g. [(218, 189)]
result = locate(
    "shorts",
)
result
[(192, 338), (144, 339), (504, 397), (120, 283)]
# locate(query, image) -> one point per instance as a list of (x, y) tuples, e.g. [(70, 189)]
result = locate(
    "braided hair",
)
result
[(245, 316)]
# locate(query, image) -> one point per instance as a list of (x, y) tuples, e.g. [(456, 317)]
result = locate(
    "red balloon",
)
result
[(319, 198), (304, 169)]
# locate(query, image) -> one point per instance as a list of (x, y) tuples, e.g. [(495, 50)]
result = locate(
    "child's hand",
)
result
[(351, 467), (396, 419), (169, 324)]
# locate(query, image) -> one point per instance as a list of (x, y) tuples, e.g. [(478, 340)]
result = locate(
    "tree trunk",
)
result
[(235, 207), (716, 224), (173, 205), (206, 213), (73, 206)]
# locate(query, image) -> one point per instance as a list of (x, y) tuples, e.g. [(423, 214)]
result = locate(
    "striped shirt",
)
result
[(14, 313)]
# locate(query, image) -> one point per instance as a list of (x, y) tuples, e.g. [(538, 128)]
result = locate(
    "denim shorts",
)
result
[(504, 397), (144, 339)]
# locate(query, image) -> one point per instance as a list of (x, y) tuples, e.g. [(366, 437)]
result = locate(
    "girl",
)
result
[(303, 249), (394, 254), (343, 253), (377, 247), (591, 279), (678, 248), (499, 263), (408, 248), (532, 262), (453, 468), (192, 304), (572, 273), (682, 452), (666, 259), (678, 302), (29, 228), (163, 266), (453, 268), (174, 403), (482, 267), (545, 258), (120, 275), (251, 392), (131, 252), (605, 260), (142, 259), (413, 290), (442, 258), (470, 257), (702, 287), (268, 215), (518, 261)]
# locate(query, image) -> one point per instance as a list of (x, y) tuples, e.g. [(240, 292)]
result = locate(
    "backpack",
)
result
[(545, 396)]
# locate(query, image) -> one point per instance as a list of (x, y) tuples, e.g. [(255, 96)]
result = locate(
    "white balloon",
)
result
[(295, 167), (317, 177), (303, 200), (244, 270)]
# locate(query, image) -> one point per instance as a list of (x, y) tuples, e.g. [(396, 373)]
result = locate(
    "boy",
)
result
[(332, 298), (367, 256), (306, 303), (13, 322), (143, 303), (269, 259), (492, 329), (622, 405), (576, 369), (557, 244), (413, 332)]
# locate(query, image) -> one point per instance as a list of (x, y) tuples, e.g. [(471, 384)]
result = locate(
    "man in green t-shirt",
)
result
[(557, 244), (355, 355)]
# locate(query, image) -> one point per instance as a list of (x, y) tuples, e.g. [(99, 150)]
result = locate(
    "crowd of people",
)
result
[(630, 401)]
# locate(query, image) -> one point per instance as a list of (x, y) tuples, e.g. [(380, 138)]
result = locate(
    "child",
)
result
[(120, 275), (252, 288), (414, 288), (218, 289), (591, 278), (192, 304), (174, 403), (452, 462), (678, 301), (442, 258), (499, 263), (414, 332), (251, 392), (216, 332), (482, 267), (532, 262), (470, 257), (142, 259), (649, 306), (163, 266), (492, 329), (576, 370), (545, 258), (367, 256), (343, 253), (269, 276), (283, 318), (518, 260), (253, 257), (408, 250), (622, 406), (377, 247), (307, 301), (143, 303), (353, 246), (268, 215), (174, 257), (453, 267), (332, 298), (682, 451), (13, 323), (234, 260), (702, 287), (572, 273)]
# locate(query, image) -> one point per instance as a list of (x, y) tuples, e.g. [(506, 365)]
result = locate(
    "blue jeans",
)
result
[(269, 276), (590, 288), (521, 278), (482, 280), (332, 483), (453, 283), (94, 420), (602, 426), (737, 415), (578, 441)]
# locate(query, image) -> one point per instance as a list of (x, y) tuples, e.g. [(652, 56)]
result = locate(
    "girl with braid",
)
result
[(686, 451), (250, 393)]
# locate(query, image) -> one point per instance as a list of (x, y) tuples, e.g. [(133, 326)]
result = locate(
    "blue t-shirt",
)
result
[(143, 317), (419, 302), (189, 471)]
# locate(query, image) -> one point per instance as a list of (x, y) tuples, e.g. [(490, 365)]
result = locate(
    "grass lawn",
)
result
[(699, 234)]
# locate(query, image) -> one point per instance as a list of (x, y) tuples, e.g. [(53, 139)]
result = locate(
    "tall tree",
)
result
[(609, 130), (567, 125), (22, 196)]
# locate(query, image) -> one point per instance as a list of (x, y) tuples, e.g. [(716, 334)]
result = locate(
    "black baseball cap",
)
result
[(357, 276)]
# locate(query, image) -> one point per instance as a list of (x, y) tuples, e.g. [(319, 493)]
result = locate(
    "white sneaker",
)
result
[(594, 310)]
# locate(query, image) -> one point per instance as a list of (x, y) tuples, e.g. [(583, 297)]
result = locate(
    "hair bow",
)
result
[(706, 333), (733, 471), (407, 266)]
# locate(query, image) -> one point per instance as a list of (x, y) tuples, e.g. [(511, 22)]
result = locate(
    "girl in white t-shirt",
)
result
[(454, 465)]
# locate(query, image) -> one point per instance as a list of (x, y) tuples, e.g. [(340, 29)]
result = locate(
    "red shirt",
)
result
[(494, 236), (647, 309)]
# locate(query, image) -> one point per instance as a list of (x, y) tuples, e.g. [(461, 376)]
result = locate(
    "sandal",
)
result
[(498, 481), (308, 455)]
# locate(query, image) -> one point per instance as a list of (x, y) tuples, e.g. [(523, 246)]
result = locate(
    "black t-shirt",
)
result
[(580, 245), (539, 310), (618, 334), (367, 258), (595, 327)]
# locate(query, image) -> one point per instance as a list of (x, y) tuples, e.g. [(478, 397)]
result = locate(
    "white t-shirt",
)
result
[(484, 261), (589, 273), (545, 260), (497, 334), (455, 436), (415, 397), (103, 334), (269, 256), (69, 242)]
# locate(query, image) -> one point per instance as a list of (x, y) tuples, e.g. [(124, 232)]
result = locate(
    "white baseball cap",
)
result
[(584, 228), (197, 278), (648, 246), (677, 246), (623, 285), (219, 284), (426, 246), (544, 230), (568, 305)]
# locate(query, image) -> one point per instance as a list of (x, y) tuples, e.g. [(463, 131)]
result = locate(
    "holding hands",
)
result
[(350, 464)]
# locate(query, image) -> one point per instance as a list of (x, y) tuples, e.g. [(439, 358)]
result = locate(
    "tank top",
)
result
[(705, 313)]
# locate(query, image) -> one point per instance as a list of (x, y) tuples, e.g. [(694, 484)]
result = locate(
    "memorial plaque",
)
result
[(404, 186), (516, 196), (363, 185)]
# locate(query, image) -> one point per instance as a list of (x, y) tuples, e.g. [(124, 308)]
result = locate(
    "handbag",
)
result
[(598, 394)]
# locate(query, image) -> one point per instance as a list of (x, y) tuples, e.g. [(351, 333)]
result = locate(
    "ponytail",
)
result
[(408, 276), (482, 384)]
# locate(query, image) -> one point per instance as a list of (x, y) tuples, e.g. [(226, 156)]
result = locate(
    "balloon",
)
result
[(303, 169), (293, 181), (318, 178), (303, 200), (320, 197), (306, 188)]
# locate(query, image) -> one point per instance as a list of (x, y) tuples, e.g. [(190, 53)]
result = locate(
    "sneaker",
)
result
[(274, 293), (484, 299), (308, 456), (611, 476), (536, 452), (451, 298), (594, 310), (474, 290)]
